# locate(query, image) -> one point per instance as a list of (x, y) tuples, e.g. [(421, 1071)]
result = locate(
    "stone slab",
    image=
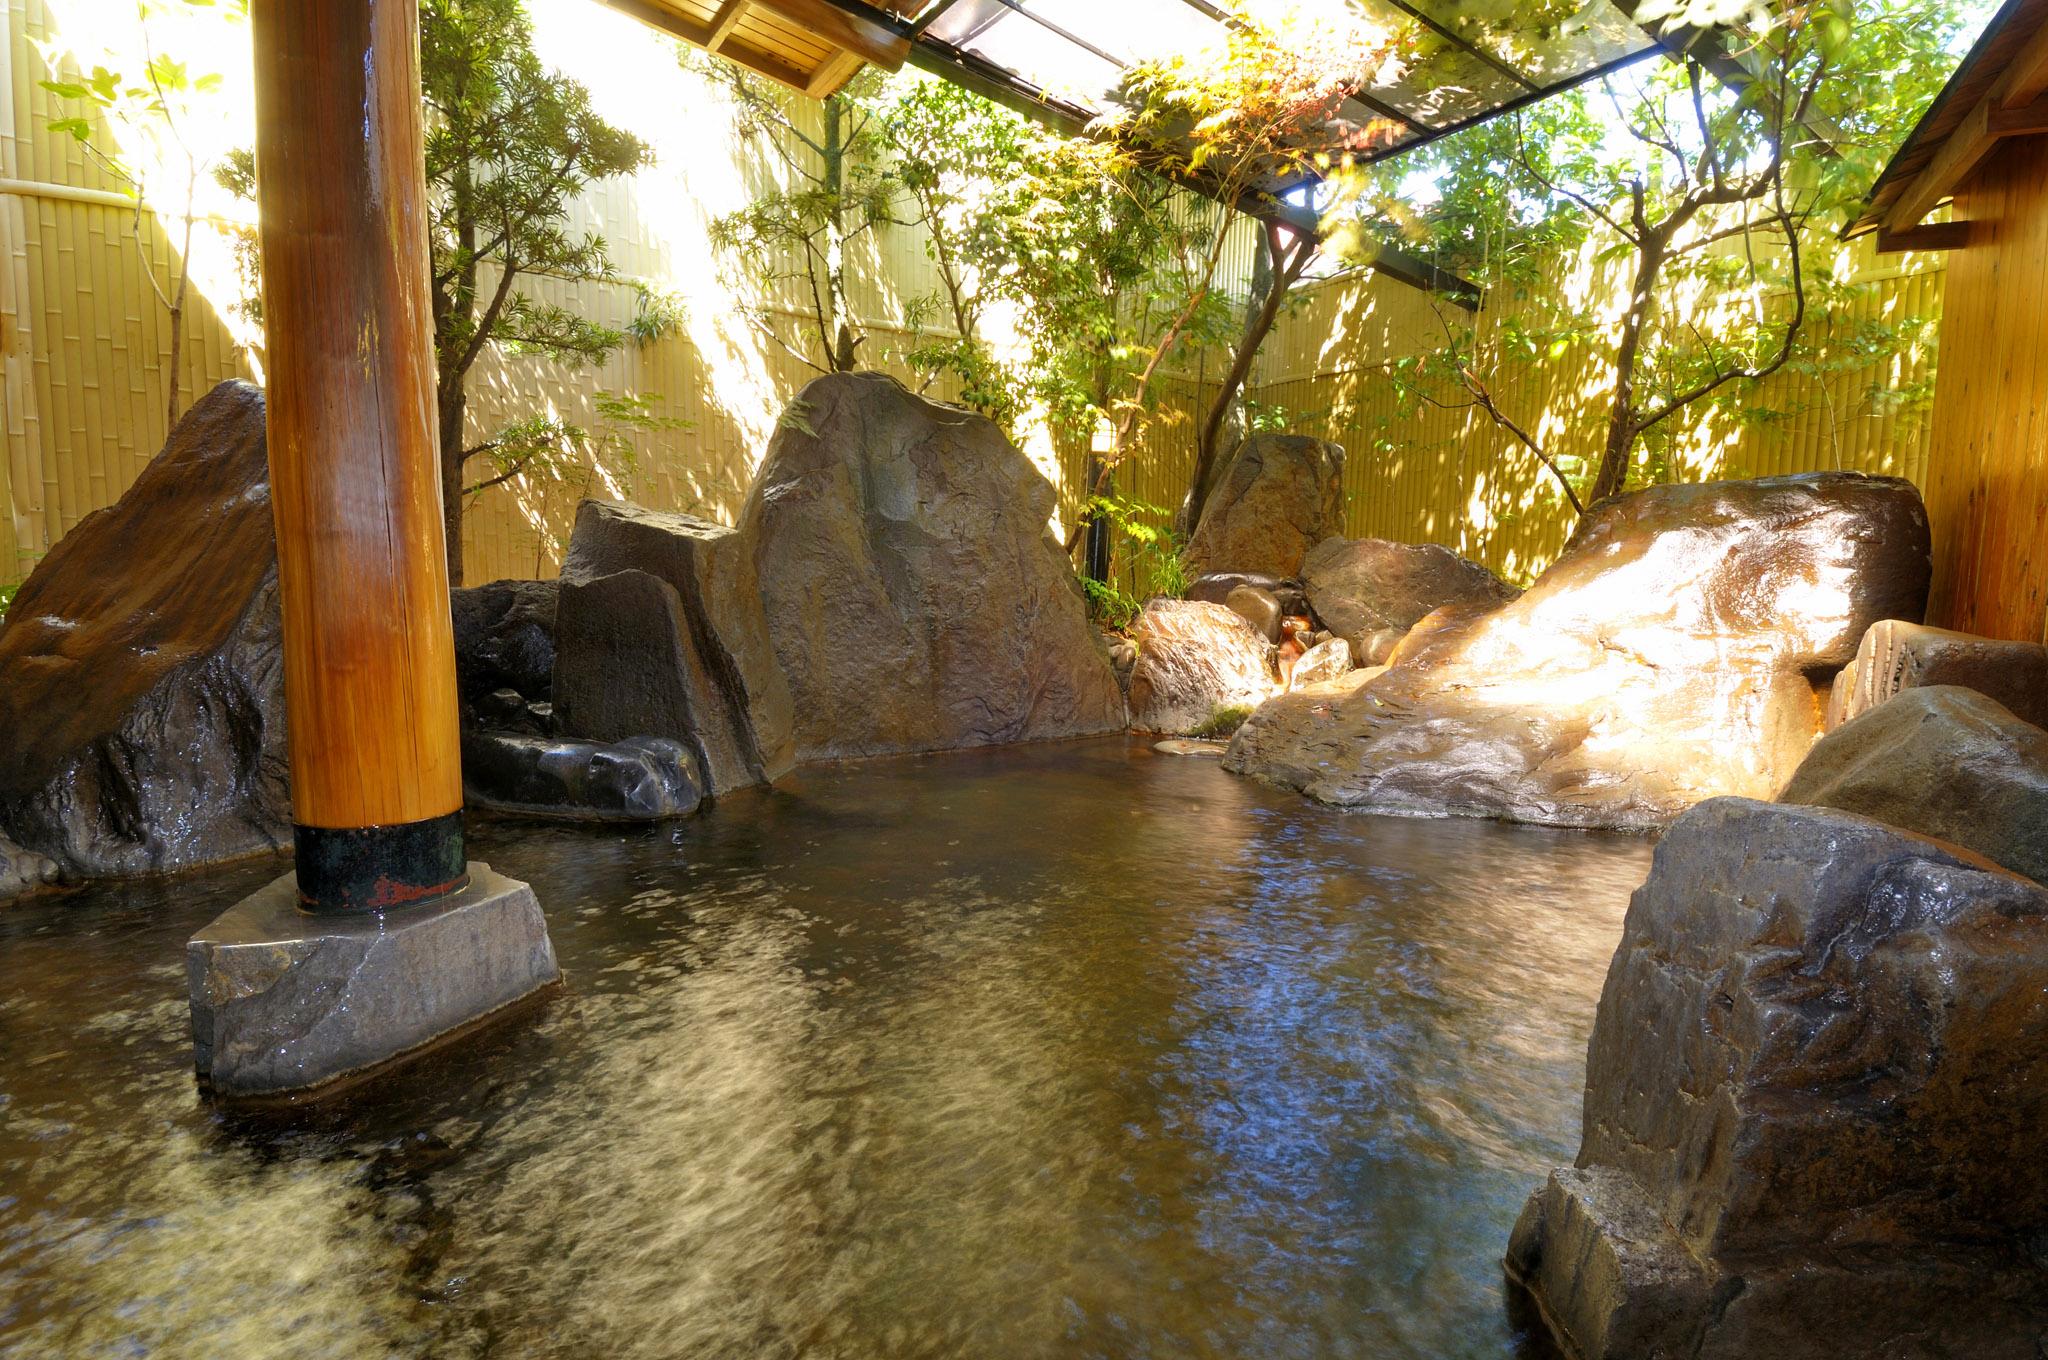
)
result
[(284, 1001), (1896, 655)]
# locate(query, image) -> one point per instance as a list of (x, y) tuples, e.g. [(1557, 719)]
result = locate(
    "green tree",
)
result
[(837, 192), (510, 144), (1710, 194), (155, 108)]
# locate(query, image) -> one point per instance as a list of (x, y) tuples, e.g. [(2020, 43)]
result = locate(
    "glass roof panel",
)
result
[(1426, 65)]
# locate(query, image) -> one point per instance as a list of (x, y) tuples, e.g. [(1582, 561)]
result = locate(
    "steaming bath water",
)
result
[(1075, 1050)]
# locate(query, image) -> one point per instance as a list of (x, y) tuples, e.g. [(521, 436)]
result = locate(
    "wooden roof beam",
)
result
[(723, 23), (2016, 106), (870, 41)]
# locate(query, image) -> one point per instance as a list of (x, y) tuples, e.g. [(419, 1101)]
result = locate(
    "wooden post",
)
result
[(355, 472)]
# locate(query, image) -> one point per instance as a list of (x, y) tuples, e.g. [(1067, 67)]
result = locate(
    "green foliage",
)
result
[(1713, 197), (1144, 543), (1223, 721), (1109, 605), (833, 189), (153, 108)]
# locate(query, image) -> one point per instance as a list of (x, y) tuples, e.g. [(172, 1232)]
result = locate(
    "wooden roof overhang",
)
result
[(1999, 91)]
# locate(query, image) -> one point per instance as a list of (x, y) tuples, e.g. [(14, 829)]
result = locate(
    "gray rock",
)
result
[(1896, 655), (1215, 588), (1670, 655), (1377, 647), (916, 598), (1942, 761), (1193, 659), (1820, 1062), (1257, 607), (1359, 587), (628, 664), (725, 656), (505, 639), (1279, 495), (286, 1002), (640, 779), (141, 674)]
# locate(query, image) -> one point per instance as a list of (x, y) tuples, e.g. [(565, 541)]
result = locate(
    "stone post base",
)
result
[(284, 1002)]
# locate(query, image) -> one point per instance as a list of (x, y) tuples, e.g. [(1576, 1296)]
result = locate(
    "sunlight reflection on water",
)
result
[(1066, 1051)]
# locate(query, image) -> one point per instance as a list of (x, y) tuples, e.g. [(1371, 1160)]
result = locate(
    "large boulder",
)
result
[(1896, 655), (915, 596), (1677, 650), (1814, 1094), (141, 673), (659, 631), (1361, 586), (1194, 659), (1942, 761), (1279, 495)]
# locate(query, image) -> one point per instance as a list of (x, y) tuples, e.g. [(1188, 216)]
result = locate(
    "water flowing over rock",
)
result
[(141, 674), (1361, 586), (1193, 659), (1279, 495), (1325, 661), (1676, 651), (914, 594), (505, 639), (659, 631), (640, 779), (1942, 761), (1816, 1082), (1896, 655)]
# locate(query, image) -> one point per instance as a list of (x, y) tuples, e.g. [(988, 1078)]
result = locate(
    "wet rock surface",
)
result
[(1259, 608), (640, 779), (1325, 661), (1895, 656), (1675, 652), (505, 639), (1193, 659), (1279, 495), (23, 871), (628, 664), (708, 659), (1215, 588), (141, 676), (1941, 761), (914, 594), (1360, 587), (1819, 1060)]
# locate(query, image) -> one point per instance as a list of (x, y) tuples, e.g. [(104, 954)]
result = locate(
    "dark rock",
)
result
[(505, 639), (505, 710), (1672, 653), (917, 600), (640, 779), (1377, 647), (1279, 495), (1942, 761), (1193, 659), (706, 672), (1896, 655), (1819, 1069), (627, 665), (1360, 586), (1258, 608), (141, 676), (283, 1001), (1215, 588)]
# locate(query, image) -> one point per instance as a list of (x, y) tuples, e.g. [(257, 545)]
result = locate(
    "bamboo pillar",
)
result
[(355, 473)]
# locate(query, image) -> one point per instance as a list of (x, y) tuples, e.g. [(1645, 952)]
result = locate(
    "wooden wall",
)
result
[(1987, 488)]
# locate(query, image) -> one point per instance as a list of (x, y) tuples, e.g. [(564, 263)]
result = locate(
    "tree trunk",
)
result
[(1271, 282), (840, 357), (1611, 478), (453, 406)]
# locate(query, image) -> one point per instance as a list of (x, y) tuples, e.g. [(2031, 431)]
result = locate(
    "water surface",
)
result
[(1068, 1051)]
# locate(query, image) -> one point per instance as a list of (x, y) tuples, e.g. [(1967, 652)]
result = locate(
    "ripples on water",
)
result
[(1067, 1051)]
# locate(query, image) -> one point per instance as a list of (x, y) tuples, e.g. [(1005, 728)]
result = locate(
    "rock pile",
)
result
[(1676, 651)]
